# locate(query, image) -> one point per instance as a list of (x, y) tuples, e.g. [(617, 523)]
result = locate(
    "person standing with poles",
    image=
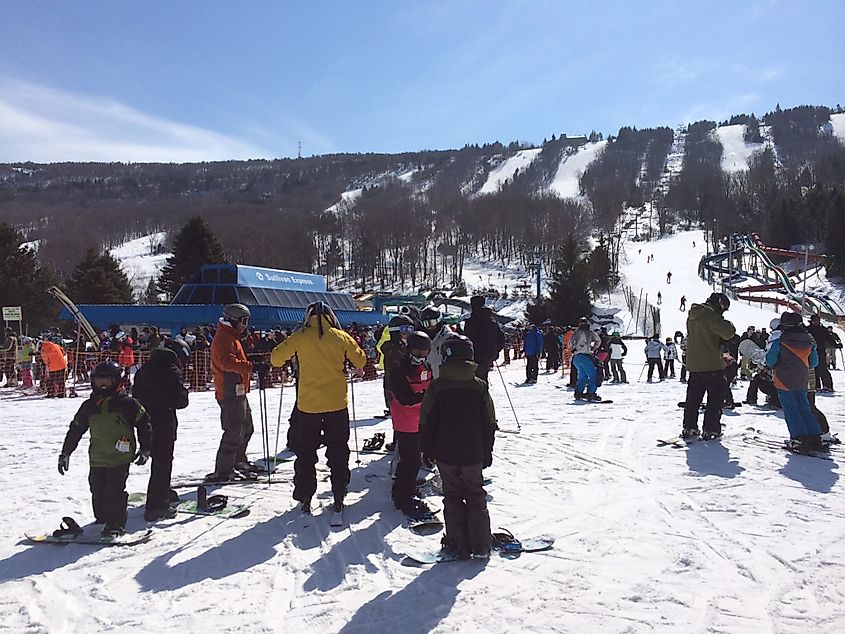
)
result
[(486, 336), (323, 349), (532, 346), (618, 350), (706, 329), (583, 344), (232, 372)]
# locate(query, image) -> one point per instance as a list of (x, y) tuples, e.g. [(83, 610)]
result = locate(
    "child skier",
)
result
[(670, 358), (457, 426), (408, 384), (112, 418), (791, 356)]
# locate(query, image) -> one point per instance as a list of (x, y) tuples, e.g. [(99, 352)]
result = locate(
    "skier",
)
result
[(706, 329), (232, 372), (683, 306), (618, 350), (669, 277), (791, 356), (323, 348), (671, 355), (8, 358), (659, 298), (112, 418), (408, 384), (532, 346), (438, 332), (551, 346), (486, 336), (583, 343), (53, 356), (653, 351), (834, 343), (158, 387), (822, 338), (457, 429), (681, 342)]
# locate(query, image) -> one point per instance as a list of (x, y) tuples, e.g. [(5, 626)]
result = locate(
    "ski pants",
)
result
[(618, 371), (388, 395), (586, 373), (108, 494), (822, 373), (655, 363), (161, 466), (683, 368), (465, 507), (55, 383), (552, 359), (405, 484), (8, 369), (236, 421), (713, 384), (798, 414), (307, 433), (483, 370), (532, 367), (669, 368), (766, 387)]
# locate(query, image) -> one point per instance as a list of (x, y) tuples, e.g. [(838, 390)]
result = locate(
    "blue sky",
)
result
[(189, 80)]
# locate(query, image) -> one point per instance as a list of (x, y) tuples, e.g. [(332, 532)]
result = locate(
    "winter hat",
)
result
[(476, 301), (775, 323)]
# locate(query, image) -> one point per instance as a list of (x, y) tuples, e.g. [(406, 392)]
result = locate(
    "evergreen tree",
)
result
[(151, 295), (98, 279), (569, 296), (599, 267), (193, 246), (23, 283), (835, 243)]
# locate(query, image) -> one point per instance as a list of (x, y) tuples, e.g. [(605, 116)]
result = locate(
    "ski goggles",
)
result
[(243, 321), (430, 323), (405, 329)]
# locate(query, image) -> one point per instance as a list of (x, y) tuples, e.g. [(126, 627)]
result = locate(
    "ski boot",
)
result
[(595, 398), (450, 548), (689, 433), (708, 435), (111, 531), (579, 396)]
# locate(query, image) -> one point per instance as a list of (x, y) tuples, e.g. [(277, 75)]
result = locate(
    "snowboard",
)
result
[(128, 539), (428, 557), (193, 484), (584, 401), (424, 525), (776, 445), (676, 441), (682, 405), (190, 507)]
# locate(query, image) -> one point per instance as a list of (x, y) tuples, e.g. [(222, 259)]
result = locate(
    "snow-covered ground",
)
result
[(138, 262), (506, 170), (838, 123), (566, 182), (735, 149), (719, 537)]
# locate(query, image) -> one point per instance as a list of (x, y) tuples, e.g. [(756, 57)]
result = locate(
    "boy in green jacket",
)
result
[(112, 418)]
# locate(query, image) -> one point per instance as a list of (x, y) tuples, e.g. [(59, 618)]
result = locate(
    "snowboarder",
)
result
[(486, 336), (112, 418), (653, 351), (532, 346), (683, 306), (158, 387), (659, 298), (706, 329), (457, 429), (438, 332), (834, 343), (822, 339), (408, 384), (392, 349), (232, 372), (618, 350), (669, 277), (551, 346), (791, 356), (323, 348), (583, 343)]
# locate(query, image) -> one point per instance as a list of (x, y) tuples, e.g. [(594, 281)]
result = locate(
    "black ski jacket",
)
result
[(158, 386), (486, 336)]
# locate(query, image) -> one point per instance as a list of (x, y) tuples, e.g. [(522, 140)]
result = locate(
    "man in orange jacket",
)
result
[(53, 356), (232, 371)]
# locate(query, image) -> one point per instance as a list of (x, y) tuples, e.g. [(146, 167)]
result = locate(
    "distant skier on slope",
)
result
[(683, 306), (669, 277), (659, 298)]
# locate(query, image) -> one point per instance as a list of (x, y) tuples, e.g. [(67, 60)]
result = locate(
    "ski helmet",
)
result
[(457, 348), (790, 319), (319, 310), (719, 301), (431, 318), (419, 340), (235, 313), (106, 369)]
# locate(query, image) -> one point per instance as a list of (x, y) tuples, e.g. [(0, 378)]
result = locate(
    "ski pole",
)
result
[(279, 421), (507, 393), (354, 422), (641, 371), (262, 409)]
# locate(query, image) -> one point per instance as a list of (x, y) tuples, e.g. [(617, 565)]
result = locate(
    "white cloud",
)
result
[(45, 125)]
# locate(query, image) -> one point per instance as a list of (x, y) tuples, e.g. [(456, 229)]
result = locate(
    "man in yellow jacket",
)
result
[(323, 350)]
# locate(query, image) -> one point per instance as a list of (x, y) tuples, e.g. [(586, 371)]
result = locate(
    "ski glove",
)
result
[(64, 463), (141, 457)]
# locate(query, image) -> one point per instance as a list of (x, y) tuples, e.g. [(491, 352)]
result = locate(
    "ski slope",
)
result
[(505, 171), (735, 149), (138, 263), (567, 180), (838, 123)]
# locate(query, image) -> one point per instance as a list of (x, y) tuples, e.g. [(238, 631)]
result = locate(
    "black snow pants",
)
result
[(108, 494), (307, 433), (405, 484), (532, 367), (161, 467), (465, 508), (714, 385)]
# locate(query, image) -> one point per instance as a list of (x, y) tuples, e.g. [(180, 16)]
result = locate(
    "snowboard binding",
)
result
[(210, 503), (375, 443), (505, 542), (68, 529)]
